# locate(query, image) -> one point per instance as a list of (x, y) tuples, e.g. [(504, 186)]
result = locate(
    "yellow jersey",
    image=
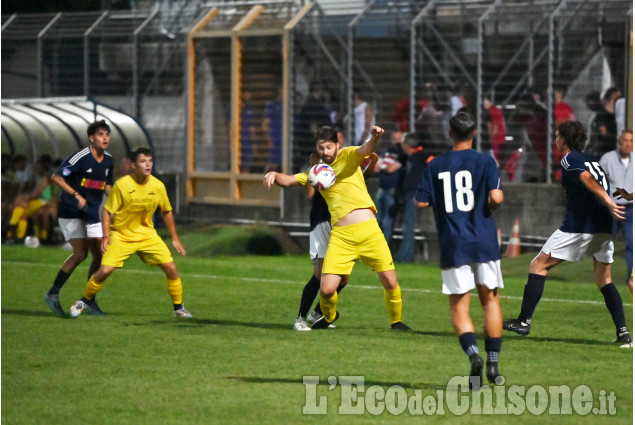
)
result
[(349, 192), (134, 205)]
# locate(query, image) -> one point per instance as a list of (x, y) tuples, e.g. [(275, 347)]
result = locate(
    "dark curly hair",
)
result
[(97, 125), (573, 133), (325, 133)]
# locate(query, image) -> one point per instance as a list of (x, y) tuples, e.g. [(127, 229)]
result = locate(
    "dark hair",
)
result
[(139, 150), (97, 125), (609, 93), (462, 126), (410, 140), (593, 101), (573, 133), (325, 133)]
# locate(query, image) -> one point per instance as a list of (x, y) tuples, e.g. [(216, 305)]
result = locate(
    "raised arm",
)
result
[(371, 144), (587, 179), (281, 179)]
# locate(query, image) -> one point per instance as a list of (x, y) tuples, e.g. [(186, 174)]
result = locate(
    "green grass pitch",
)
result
[(239, 361)]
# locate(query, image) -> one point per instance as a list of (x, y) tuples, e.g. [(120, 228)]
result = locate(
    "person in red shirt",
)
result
[(496, 128), (563, 112)]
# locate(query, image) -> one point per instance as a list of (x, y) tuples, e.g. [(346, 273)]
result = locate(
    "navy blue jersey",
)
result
[(585, 212), (87, 177), (457, 185), (319, 211)]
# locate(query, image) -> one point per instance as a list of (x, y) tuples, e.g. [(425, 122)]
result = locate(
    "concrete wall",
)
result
[(539, 208)]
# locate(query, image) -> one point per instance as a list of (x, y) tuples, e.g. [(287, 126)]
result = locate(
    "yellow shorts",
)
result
[(360, 240), (152, 251), (34, 205)]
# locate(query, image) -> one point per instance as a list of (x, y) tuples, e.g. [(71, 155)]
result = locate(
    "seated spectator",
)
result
[(26, 204)]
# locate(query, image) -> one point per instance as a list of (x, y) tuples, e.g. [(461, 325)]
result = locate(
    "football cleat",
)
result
[(82, 305), (77, 309), (624, 339), (182, 313), (93, 308), (300, 325), (313, 317), (517, 326), (323, 324), (476, 372), (53, 301), (491, 370), (400, 326)]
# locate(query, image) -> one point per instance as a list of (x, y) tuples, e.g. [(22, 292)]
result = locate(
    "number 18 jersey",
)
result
[(585, 212), (457, 185)]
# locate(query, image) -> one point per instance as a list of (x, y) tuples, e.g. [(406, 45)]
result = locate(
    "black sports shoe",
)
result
[(517, 326), (492, 372), (53, 301), (93, 308), (624, 339), (400, 326), (476, 372), (321, 323)]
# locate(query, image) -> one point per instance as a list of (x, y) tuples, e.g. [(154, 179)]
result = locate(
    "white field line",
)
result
[(296, 282)]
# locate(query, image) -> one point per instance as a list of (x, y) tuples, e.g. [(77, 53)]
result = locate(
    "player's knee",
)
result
[(170, 271), (78, 256), (104, 271), (327, 292)]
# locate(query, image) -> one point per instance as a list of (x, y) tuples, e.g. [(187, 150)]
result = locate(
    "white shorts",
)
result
[(573, 246), (460, 280), (76, 228), (319, 240)]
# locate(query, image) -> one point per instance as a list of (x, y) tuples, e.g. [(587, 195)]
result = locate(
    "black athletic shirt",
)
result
[(319, 211), (87, 177)]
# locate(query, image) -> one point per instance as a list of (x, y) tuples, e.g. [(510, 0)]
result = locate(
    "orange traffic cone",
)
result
[(513, 246)]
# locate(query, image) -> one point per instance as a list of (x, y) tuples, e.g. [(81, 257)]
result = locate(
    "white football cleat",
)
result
[(77, 309), (300, 325), (182, 313)]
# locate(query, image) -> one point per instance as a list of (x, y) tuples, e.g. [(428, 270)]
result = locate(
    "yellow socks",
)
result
[(175, 290), (328, 306), (92, 287), (393, 304), (21, 231), (16, 215)]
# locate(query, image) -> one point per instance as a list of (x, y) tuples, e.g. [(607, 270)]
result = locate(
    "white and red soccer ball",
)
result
[(321, 176)]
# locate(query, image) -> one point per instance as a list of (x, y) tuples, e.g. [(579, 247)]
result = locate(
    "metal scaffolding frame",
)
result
[(334, 34)]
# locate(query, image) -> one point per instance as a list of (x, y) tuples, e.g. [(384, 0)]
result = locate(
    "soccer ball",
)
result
[(31, 242), (321, 176)]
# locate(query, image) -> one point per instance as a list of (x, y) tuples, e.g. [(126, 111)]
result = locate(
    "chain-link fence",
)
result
[(266, 75)]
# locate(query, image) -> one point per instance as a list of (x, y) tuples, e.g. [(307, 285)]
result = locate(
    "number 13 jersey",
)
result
[(585, 212)]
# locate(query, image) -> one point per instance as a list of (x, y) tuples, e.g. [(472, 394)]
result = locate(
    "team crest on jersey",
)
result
[(66, 172)]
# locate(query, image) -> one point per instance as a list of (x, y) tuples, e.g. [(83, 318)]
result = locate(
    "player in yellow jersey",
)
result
[(355, 232), (132, 201)]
